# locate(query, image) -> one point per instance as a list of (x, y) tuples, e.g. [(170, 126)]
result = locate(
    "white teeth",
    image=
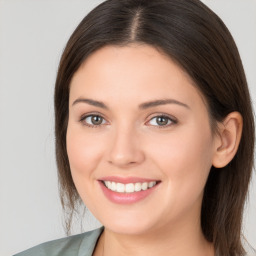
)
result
[(144, 186), (137, 187), (151, 184), (113, 186), (130, 187), (108, 184), (120, 187)]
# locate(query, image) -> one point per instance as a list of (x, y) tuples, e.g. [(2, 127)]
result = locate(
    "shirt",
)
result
[(77, 245), (81, 245)]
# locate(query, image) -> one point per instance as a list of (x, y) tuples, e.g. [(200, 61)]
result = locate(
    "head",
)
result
[(207, 56)]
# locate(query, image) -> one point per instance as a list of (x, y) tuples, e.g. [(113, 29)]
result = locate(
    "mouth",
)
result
[(127, 190), (129, 187)]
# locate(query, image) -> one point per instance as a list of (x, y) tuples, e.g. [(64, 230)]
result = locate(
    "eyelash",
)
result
[(82, 120), (170, 119)]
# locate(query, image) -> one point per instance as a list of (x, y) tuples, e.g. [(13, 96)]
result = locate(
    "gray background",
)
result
[(32, 37)]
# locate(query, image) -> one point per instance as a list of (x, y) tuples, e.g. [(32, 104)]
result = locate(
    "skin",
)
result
[(129, 142)]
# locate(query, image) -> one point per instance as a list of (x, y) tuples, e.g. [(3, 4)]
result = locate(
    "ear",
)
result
[(227, 139)]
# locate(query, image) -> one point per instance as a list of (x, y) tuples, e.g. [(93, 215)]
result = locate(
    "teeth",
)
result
[(151, 184), (113, 186), (120, 187), (130, 187), (144, 186), (137, 187)]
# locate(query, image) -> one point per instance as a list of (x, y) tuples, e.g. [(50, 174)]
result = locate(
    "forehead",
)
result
[(126, 71), (120, 58)]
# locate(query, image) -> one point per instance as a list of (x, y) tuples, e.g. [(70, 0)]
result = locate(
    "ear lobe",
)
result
[(228, 139)]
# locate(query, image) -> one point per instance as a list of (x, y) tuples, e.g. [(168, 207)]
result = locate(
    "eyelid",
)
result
[(84, 116), (152, 116), (171, 118)]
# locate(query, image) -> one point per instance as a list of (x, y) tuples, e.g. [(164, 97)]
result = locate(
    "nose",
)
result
[(125, 149)]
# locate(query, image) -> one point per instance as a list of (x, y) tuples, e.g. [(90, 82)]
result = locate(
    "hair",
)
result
[(198, 41)]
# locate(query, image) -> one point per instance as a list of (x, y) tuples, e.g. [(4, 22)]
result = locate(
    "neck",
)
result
[(179, 239)]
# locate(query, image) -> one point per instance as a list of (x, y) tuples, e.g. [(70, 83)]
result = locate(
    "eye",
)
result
[(162, 121), (93, 120)]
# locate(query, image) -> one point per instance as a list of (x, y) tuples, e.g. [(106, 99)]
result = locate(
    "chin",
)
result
[(129, 225), (127, 229)]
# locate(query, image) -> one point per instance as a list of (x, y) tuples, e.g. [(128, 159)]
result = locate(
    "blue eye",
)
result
[(93, 120), (162, 121)]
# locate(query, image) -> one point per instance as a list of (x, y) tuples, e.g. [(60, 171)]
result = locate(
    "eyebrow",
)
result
[(145, 105), (155, 103), (90, 102)]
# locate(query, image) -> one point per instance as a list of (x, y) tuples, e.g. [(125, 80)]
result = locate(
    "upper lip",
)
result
[(126, 180)]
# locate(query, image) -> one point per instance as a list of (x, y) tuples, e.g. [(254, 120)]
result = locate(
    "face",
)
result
[(139, 140)]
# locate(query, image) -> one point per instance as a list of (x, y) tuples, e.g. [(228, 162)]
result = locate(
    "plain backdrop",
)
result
[(32, 37)]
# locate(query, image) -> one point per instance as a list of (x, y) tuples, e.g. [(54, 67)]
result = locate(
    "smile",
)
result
[(130, 187), (127, 190)]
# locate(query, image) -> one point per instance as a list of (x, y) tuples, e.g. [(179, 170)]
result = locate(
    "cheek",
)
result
[(185, 158), (83, 152)]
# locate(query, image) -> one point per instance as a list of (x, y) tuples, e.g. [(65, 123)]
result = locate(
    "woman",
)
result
[(154, 131)]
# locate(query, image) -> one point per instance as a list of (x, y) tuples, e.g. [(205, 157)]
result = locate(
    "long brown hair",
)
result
[(199, 42)]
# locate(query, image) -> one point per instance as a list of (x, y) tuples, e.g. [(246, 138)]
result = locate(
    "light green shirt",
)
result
[(78, 245)]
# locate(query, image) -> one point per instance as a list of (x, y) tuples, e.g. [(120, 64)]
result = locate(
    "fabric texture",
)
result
[(82, 245), (77, 245)]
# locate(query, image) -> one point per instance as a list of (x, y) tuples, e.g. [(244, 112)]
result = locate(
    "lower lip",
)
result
[(126, 198)]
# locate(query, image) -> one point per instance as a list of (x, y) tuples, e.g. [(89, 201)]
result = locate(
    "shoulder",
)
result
[(82, 244), (250, 251)]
